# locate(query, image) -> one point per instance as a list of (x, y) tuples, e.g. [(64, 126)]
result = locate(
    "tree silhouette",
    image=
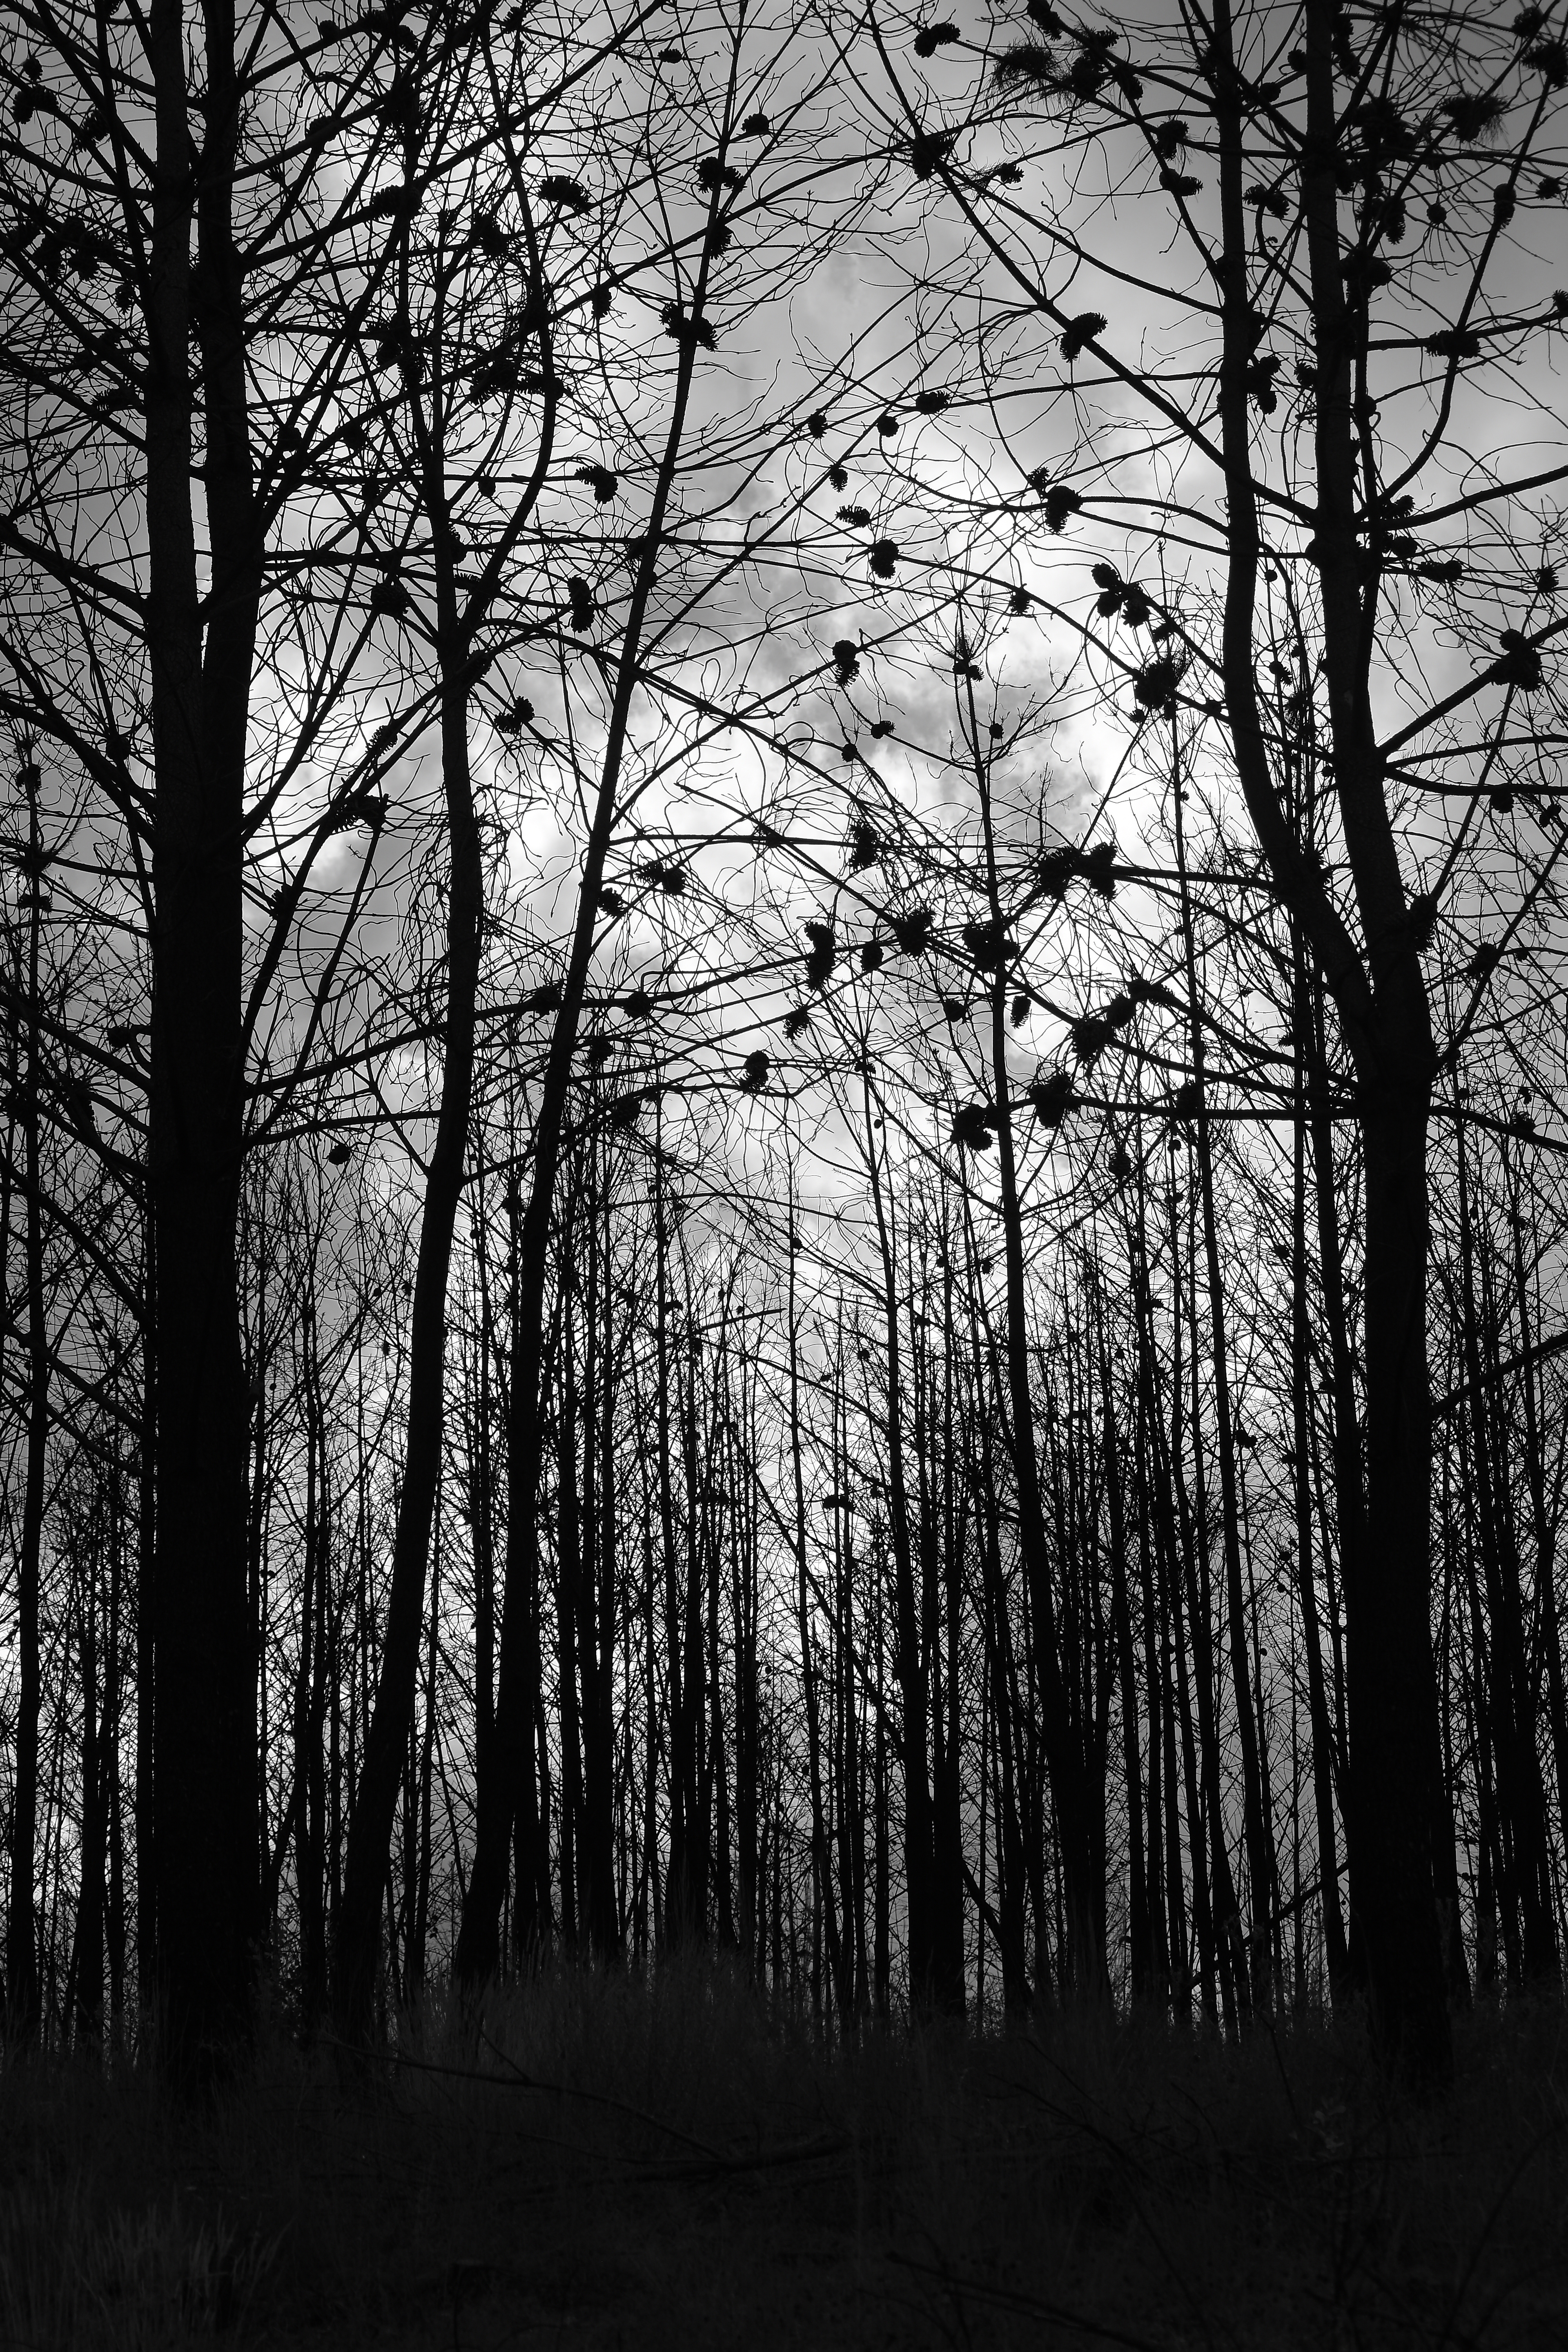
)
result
[(780, 1165), (1287, 156)]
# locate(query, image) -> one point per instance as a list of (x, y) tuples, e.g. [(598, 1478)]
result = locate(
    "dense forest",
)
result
[(781, 985)]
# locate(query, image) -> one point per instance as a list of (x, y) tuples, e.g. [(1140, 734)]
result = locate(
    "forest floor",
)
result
[(620, 2166)]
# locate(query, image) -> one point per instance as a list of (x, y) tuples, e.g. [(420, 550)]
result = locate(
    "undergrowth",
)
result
[(609, 2163)]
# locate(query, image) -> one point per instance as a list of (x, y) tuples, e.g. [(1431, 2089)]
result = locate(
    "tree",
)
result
[(1307, 393), (801, 1191), (171, 230), (715, 516), (27, 1080)]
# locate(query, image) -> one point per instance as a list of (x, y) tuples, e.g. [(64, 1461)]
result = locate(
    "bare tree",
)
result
[(1306, 388)]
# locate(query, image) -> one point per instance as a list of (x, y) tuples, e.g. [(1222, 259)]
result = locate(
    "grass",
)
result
[(615, 2164)]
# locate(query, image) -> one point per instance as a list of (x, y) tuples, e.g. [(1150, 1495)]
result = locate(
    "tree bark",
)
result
[(1381, 996), (358, 1940), (206, 1877)]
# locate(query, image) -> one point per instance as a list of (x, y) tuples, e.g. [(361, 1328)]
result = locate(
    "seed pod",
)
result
[(822, 954), (1081, 331), (1052, 1099), (972, 1126)]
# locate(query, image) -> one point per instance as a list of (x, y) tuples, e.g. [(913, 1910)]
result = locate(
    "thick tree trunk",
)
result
[(205, 1874), (1378, 987)]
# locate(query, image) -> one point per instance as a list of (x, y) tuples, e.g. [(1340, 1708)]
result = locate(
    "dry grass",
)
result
[(615, 2165)]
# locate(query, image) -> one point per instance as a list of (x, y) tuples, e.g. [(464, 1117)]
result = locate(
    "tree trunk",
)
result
[(1260, 1842), (478, 1946), (1391, 1684), (358, 1942), (1381, 996), (23, 1992), (1338, 1956), (206, 1875), (910, 1651)]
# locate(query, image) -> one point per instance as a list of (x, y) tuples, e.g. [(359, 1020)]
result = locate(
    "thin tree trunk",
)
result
[(87, 1969), (23, 1993), (1259, 1843), (909, 1648), (1140, 1934), (478, 1951), (1083, 1958), (1339, 1982), (386, 1738)]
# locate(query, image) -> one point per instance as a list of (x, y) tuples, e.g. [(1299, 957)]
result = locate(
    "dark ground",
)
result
[(675, 2172)]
